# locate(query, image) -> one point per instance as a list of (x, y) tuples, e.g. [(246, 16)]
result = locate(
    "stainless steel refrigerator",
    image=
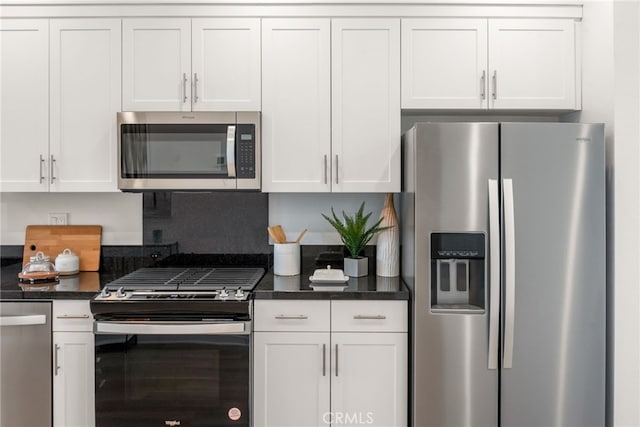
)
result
[(503, 246)]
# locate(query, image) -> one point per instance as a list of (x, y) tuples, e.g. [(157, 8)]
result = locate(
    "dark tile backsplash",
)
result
[(207, 223)]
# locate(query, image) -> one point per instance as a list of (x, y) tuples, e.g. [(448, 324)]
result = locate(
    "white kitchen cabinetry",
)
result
[(180, 64), (528, 64), (60, 94), (365, 105), (73, 365), (85, 96), (331, 105), (24, 116), (296, 105), (351, 353)]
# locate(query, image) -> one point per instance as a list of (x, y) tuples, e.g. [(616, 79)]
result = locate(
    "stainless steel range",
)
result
[(173, 347)]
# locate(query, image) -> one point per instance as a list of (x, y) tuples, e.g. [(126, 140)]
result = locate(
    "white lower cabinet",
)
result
[(73, 365), (322, 363)]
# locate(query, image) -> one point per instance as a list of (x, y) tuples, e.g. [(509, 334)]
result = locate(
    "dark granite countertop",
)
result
[(117, 262), (369, 287)]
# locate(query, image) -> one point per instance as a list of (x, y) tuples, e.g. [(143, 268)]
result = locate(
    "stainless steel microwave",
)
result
[(188, 151)]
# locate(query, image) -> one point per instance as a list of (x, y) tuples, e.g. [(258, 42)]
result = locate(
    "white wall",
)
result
[(120, 214), (626, 215), (297, 211)]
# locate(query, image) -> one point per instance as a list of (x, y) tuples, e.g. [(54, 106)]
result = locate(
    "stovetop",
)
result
[(176, 291)]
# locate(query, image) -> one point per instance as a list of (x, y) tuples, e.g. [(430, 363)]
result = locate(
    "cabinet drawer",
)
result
[(291, 315), (369, 316), (72, 316)]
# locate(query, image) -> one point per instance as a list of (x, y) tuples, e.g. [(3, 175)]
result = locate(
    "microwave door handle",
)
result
[(231, 151)]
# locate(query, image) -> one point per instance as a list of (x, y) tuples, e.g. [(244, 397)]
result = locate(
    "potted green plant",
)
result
[(355, 235)]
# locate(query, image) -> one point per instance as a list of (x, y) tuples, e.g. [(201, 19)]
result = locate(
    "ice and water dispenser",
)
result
[(457, 272)]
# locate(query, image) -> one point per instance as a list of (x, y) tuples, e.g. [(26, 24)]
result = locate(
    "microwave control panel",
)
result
[(245, 151)]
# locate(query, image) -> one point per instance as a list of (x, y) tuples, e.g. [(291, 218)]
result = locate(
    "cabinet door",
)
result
[(532, 63), (291, 379), (24, 88), (73, 379), (366, 105), (226, 64), (369, 379), (444, 63), (296, 105), (85, 96), (156, 64)]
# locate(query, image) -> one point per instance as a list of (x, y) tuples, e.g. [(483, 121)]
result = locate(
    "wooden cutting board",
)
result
[(83, 240)]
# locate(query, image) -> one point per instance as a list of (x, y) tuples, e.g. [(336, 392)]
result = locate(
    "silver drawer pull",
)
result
[(66, 316), (364, 317), (292, 317)]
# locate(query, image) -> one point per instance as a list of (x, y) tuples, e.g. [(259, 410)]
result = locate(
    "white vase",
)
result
[(388, 244), (356, 267)]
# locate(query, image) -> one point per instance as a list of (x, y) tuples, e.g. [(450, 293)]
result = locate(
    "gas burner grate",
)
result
[(189, 278)]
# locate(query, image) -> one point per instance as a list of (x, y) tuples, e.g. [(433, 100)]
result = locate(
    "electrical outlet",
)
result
[(58, 218)]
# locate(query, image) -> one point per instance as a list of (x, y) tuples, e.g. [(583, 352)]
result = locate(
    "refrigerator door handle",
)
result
[(494, 274), (510, 273)]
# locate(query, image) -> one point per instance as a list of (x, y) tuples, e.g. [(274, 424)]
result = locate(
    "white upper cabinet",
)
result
[(179, 64), (84, 99), (296, 105), (156, 64), (365, 103), (331, 105), (505, 64), (24, 116), (444, 63), (532, 64), (226, 64)]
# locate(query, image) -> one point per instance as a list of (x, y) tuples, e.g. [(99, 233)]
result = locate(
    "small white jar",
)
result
[(286, 259), (67, 263)]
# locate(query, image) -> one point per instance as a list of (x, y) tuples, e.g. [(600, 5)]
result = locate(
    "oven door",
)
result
[(172, 374)]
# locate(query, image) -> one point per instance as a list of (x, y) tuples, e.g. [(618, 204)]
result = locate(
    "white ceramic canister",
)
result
[(286, 259), (67, 262)]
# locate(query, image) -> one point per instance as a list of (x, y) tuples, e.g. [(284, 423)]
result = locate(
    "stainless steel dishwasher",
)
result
[(25, 364)]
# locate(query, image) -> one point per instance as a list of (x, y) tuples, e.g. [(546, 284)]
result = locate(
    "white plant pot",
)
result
[(356, 267)]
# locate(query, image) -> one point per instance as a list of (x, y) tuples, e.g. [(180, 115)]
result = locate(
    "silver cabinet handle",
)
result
[(337, 170), (231, 151), (291, 317), (510, 273), (184, 87), (483, 86), (364, 317), (195, 87), (336, 360), (28, 320), (67, 316), (324, 360), (55, 359), (494, 274), (494, 79), (325, 169), (41, 164), (52, 169)]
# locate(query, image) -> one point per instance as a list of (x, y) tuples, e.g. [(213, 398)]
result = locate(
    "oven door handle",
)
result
[(175, 328)]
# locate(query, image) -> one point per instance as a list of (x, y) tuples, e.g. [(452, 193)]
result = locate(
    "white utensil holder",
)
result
[(286, 259)]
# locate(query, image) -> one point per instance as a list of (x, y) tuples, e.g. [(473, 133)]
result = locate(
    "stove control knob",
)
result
[(120, 293), (239, 294), (105, 293), (224, 294)]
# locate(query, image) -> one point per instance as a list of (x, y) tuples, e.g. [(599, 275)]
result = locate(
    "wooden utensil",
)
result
[(277, 234), (300, 236), (83, 240)]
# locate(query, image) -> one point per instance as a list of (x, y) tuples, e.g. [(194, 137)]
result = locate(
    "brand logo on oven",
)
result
[(172, 423)]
